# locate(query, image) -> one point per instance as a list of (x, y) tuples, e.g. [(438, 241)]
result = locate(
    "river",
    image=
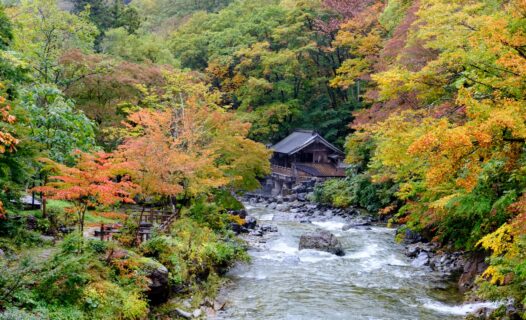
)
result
[(374, 280)]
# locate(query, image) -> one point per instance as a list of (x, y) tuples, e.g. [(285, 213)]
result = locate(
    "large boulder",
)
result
[(474, 266), (321, 240), (158, 276)]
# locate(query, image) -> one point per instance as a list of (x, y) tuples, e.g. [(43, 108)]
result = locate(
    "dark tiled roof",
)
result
[(300, 139)]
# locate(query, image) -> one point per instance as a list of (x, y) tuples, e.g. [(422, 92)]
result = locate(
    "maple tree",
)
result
[(188, 145), (93, 181)]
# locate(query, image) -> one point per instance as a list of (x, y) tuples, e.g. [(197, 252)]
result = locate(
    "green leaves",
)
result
[(55, 125), (44, 32)]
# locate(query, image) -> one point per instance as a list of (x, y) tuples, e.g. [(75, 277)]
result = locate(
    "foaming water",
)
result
[(330, 225), (374, 280), (459, 310)]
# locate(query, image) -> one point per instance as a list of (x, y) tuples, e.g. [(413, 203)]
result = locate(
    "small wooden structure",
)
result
[(146, 218), (301, 156), (305, 153)]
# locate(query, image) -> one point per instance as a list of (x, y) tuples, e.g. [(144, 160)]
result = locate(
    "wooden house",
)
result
[(306, 154)]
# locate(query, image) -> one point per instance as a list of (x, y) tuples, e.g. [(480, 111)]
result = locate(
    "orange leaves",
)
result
[(91, 182), (8, 141), (172, 151), (2, 211), (189, 144)]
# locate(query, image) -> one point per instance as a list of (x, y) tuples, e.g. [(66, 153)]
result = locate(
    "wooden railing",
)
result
[(282, 170), (154, 216), (146, 219)]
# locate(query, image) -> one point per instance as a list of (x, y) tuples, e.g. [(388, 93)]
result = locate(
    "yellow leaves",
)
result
[(494, 275), (442, 202), (363, 37), (499, 241), (349, 71), (393, 82), (502, 243), (393, 139)]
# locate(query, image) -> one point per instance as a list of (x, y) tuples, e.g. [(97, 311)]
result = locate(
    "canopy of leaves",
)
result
[(55, 124)]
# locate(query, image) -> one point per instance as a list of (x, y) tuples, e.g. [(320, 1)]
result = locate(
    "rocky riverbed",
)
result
[(377, 278), (449, 265)]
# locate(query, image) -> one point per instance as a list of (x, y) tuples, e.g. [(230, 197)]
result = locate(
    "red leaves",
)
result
[(91, 182)]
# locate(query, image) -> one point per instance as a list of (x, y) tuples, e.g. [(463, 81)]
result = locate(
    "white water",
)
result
[(374, 280)]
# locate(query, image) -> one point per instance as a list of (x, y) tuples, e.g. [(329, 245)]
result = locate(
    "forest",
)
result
[(110, 108)]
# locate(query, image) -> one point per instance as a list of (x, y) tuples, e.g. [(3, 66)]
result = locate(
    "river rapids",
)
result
[(374, 280)]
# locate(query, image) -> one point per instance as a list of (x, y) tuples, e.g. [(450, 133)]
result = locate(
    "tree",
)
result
[(107, 89), (109, 14), (43, 32), (6, 30), (273, 64), (8, 141), (188, 145), (93, 181), (55, 125), (13, 71)]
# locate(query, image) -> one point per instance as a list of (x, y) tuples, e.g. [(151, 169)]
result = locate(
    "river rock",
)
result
[(184, 314), (410, 236), (219, 303), (355, 225), (256, 233), (414, 249), (197, 313), (250, 222), (282, 207), (272, 205), (421, 260), (321, 240), (291, 260), (158, 285), (268, 228), (237, 228)]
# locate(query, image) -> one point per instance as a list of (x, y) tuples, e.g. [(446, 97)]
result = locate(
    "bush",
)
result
[(193, 251), (357, 190), (208, 214)]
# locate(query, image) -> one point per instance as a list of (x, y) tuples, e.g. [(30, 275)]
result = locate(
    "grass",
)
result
[(92, 217)]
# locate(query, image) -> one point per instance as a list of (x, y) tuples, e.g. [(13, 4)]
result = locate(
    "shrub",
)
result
[(208, 214), (192, 251), (104, 299), (357, 190)]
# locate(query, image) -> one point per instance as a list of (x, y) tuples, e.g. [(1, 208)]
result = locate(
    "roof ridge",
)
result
[(305, 131)]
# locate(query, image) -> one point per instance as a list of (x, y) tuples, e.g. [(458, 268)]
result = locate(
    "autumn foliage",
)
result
[(189, 145), (91, 182)]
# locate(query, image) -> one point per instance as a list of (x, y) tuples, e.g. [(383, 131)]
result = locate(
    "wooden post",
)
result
[(101, 231), (44, 201)]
